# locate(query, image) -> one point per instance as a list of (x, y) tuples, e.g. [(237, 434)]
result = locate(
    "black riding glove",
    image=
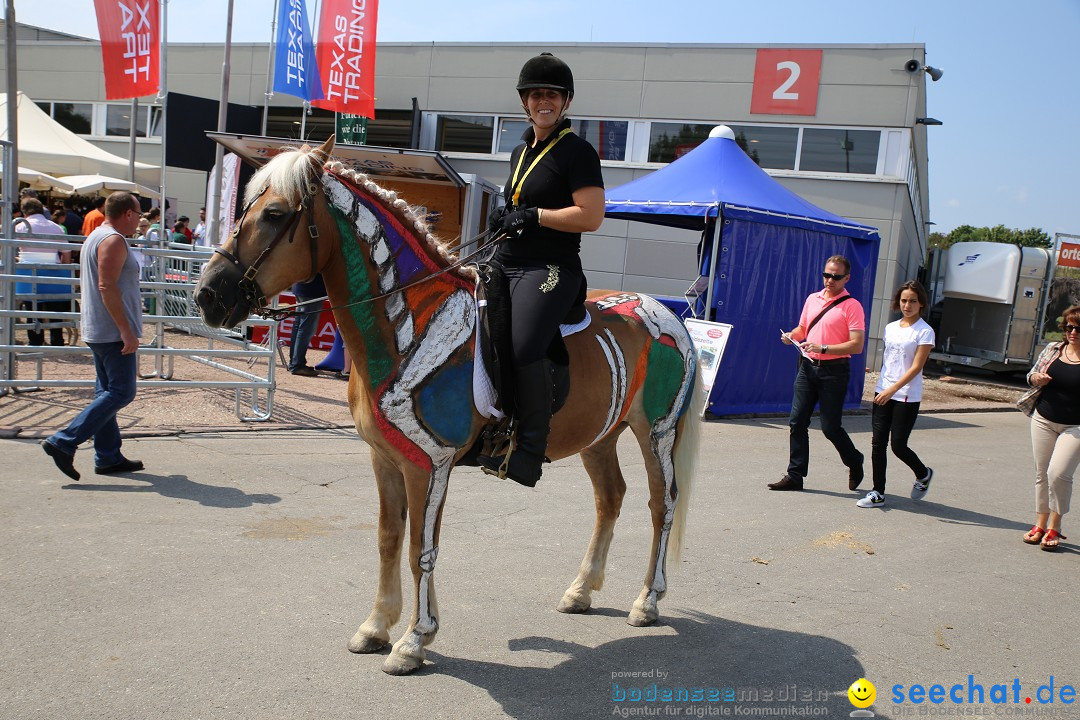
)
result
[(494, 224), (519, 221)]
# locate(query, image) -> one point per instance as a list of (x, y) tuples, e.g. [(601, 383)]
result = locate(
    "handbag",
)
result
[(1026, 403)]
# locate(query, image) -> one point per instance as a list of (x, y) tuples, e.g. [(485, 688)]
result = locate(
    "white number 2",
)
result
[(781, 93)]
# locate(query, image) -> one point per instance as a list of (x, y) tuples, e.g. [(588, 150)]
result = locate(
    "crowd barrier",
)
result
[(167, 284)]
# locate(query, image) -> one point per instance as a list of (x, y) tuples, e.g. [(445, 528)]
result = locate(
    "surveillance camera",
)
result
[(913, 66)]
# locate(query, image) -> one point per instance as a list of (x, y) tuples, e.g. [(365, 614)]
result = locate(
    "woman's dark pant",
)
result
[(541, 297), (895, 419)]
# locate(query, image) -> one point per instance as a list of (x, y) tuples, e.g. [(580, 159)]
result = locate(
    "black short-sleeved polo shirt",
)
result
[(570, 165)]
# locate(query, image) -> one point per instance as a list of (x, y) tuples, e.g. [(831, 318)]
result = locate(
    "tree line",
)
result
[(1032, 237)]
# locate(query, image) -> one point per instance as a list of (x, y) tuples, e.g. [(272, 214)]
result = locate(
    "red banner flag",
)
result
[(129, 47), (345, 54)]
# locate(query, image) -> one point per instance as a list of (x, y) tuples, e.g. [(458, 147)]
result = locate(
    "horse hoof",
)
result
[(402, 665), (572, 605), (365, 644), (640, 618)]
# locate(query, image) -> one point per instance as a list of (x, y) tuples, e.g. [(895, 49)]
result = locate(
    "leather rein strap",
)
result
[(248, 285)]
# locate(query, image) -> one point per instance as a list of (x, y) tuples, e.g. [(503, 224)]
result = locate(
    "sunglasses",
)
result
[(830, 276), (1072, 328)]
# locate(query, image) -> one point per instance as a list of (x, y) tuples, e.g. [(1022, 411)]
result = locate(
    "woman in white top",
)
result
[(908, 342)]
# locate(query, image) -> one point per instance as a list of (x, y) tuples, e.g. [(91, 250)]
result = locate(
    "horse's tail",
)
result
[(686, 455)]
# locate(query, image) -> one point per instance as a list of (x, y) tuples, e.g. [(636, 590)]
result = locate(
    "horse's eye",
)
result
[(273, 215)]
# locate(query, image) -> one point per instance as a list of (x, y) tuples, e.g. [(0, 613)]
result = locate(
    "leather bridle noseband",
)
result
[(247, 285)]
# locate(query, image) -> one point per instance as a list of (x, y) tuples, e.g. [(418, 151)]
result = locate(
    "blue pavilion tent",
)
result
[(771, 245)]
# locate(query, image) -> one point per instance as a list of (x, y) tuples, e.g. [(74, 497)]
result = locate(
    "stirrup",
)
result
[(499, 439)]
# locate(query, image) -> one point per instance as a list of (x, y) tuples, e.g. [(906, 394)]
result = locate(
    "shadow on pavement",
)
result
[(181, 488), (706, 652)]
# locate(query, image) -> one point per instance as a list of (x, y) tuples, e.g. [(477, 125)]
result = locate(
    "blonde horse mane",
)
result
[(294, 172)]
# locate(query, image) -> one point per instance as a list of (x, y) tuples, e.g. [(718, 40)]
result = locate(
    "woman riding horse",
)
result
[(555, 192)]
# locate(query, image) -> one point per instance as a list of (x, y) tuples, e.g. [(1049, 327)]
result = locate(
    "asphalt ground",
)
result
[(225, 580)]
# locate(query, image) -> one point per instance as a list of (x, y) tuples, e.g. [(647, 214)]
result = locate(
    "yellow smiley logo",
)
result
[(862, 693)]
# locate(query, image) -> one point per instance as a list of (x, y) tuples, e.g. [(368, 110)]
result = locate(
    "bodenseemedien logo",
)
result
[(862, 694)]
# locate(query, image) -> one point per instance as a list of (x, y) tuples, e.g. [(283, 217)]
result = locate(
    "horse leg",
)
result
[(601, 461), (658, 451), (426, 492), (374, 634)]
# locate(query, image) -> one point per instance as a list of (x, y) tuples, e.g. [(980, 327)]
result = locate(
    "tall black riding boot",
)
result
[(534, 393)]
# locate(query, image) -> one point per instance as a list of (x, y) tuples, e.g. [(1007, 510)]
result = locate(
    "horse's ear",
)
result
[(326, 149)]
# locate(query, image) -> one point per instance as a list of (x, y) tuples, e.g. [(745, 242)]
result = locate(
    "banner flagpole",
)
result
[(269, 93), (163, 96), (219, 151)]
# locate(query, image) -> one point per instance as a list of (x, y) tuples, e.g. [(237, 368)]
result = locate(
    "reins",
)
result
[(270, 313)]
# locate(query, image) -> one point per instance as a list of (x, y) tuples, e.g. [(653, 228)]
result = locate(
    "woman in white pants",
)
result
[(1055, 431)]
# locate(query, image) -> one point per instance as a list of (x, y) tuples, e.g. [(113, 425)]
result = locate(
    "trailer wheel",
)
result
[(946, 368)]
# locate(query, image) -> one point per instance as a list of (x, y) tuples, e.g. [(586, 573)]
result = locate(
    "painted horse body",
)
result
[(409, 322)]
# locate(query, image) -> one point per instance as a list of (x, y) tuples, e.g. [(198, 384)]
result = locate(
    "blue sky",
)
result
[(1008, 153)]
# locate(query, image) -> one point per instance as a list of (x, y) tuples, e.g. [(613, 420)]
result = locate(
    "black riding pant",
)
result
[(540, 299)]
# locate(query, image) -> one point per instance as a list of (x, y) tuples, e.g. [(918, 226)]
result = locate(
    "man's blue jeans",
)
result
[(114, 389), (303, 329), (824, 386)]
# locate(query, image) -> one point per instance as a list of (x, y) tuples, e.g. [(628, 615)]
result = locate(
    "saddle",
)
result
[(494, 361)]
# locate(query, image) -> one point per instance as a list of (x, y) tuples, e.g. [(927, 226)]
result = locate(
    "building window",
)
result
[(510, 132), (118, 120), (843, 151), (607, 136), (464, 133), (769, 147), (670, 141), (390, 128), (76, 117), (286, 122)]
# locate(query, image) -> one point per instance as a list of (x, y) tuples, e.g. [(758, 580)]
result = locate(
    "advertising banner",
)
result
[(346, 55), (1069, 255), (129, 47), (710, 339), (351, 129), (295, 70), (224, 194)]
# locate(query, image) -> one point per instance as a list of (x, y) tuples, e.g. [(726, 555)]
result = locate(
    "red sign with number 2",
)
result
[(786, 82)]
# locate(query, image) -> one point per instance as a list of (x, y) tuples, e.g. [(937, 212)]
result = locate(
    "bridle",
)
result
[(248, 286)]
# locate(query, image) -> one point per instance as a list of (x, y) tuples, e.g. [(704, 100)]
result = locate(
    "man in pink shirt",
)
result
[(831, 329)]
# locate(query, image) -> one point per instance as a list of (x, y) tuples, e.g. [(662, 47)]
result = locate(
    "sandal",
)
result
[(1052, 536), (1034, 536)]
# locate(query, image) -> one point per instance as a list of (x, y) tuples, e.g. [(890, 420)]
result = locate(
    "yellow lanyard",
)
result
[(514, 182)]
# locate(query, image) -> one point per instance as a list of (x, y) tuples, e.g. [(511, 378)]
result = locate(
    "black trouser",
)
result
[(540, 298), (823, 385), (56, 334), (895, 419)]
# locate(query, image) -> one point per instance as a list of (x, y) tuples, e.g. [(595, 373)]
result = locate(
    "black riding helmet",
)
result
[(546, 71)]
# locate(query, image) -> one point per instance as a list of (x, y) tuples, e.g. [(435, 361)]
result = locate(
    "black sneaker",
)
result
[(922, 486), (305, 371), (65, 462)]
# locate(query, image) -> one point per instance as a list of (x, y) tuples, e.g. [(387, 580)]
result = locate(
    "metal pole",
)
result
[(303, 119), (712, 265), (269, 93), (12, 92), (163, 95), (214, 202), (131, 139)]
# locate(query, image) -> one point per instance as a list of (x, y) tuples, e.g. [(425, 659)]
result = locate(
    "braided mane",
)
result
[(293, 172)]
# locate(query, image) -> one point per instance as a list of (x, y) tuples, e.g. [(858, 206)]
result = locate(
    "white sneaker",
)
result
[(872, 499), (922, 486)]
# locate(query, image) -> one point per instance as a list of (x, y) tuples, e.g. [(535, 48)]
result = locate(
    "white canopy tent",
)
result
[(41, 181), (48, 146), (100, 184)]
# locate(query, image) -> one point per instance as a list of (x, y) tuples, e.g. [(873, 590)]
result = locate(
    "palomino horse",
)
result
[(408, 320)]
